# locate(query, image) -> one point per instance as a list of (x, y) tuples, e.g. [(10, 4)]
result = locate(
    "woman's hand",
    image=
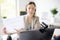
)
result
[(18, 31), (4, 31)]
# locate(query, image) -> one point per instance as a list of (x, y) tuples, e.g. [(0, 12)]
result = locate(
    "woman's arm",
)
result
[(4, 31), (20, 30)]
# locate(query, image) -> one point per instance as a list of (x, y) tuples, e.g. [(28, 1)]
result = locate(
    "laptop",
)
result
[(36, 35)]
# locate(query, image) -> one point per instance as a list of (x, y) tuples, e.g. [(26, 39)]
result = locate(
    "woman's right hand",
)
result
[(4, 31), (18, 31)]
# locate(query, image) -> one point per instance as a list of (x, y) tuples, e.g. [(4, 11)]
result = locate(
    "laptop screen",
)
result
[(36, 35)]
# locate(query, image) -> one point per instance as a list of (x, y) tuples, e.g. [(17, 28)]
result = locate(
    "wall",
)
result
[(22, 4), (43, 10), (1, 22)]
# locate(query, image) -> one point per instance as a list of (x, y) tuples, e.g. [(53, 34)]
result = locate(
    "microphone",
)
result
[(43, 28)]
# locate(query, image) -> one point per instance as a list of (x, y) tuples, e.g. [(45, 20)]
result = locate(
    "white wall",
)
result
[(1, 22), (44, 7), (23, 3)]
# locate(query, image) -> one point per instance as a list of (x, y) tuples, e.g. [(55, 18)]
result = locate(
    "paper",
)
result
[(14, 23)]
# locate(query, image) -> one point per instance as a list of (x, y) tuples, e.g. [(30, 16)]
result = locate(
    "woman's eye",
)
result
[(29, 8), (33, 8)]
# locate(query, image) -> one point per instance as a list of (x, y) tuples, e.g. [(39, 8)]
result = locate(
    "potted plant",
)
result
[(54, 11), (4, 17)]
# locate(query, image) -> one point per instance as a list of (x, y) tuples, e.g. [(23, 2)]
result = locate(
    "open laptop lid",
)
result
[(36, 35)]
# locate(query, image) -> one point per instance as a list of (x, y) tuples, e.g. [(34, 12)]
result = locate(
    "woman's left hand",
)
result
[(18, 31)]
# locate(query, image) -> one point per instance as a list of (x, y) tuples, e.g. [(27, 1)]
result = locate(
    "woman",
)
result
[(31, 21)]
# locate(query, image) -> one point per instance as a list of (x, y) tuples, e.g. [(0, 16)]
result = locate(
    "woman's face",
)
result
[(30, 9)]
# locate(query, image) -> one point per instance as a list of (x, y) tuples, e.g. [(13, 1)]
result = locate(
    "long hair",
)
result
[(30, 4)]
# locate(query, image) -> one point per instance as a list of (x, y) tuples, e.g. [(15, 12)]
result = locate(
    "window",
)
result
[(8, 8)]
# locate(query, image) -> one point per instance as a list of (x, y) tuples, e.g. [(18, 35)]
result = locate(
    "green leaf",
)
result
[(54, 11)]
